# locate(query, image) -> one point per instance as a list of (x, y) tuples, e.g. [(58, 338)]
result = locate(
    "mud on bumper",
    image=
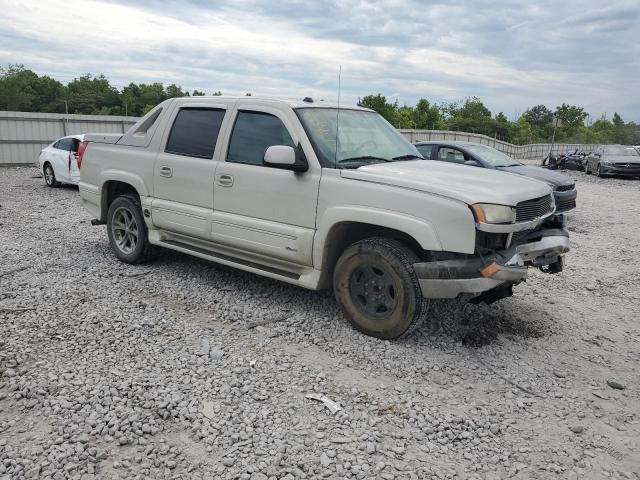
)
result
[(476, 275)]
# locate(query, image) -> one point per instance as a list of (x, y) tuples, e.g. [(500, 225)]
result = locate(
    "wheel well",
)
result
[(344, 234), (112, 190)]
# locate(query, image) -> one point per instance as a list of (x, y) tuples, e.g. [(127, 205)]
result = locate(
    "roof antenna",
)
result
[(335, 158)]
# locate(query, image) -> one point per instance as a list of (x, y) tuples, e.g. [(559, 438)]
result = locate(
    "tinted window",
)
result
[(195, 132), (425, 150), (64, 144), (252, 134), (450, 155)]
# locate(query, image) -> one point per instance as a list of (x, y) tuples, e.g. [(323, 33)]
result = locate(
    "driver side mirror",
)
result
[(285, 157), (473, 163)]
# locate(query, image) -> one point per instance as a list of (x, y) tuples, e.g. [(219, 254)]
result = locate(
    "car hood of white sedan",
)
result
[(461, 182)]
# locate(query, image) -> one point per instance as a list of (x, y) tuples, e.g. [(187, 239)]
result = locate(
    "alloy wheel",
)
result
[(125, 230)]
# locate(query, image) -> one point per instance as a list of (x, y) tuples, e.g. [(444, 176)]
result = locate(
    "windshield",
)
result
[(493, 157), (364, 137), (621, 151)]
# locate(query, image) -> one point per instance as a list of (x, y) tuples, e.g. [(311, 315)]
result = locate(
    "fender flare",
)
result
[(421, 230)]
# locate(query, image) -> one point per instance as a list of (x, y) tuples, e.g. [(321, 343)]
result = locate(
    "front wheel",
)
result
[(50, 176), (377, 288), (127, 231)]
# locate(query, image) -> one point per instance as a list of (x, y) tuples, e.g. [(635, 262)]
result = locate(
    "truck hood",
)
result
[(459, 182), (553, 178)]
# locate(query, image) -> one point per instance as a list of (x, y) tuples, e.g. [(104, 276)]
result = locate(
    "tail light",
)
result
[(81, 149)]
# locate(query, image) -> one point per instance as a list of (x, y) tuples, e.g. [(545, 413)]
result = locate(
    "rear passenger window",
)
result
[(63, 144), (195, 132), (252, 134)]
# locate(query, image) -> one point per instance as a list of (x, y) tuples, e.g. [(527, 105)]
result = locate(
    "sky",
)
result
[(512, 54)]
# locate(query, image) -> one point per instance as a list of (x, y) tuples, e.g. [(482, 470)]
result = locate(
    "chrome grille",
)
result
[(532, 209)]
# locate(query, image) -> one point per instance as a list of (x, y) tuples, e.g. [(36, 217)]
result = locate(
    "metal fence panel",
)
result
[(534, 152), (24, 134)]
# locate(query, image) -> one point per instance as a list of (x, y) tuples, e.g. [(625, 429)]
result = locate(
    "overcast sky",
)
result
[(511, 54)]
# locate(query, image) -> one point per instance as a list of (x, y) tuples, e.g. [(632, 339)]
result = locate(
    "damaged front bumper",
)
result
[(502, 268)]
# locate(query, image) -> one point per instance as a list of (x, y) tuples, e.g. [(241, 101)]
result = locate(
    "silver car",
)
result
[(622, 160)]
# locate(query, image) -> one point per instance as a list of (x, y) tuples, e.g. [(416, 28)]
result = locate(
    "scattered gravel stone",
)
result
[(117, 374), (615, 384), (576, 428)]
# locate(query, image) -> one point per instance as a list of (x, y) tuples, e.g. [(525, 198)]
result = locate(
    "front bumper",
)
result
[(632, 171), (475, 275)]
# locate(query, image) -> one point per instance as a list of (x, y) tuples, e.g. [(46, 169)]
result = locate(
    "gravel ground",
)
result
[(161, 371)]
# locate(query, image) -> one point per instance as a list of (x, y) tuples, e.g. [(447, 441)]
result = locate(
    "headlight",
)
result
[(489, 213)]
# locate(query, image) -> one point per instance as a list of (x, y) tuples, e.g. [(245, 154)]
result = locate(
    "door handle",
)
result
[(225, 180), (166, 171)]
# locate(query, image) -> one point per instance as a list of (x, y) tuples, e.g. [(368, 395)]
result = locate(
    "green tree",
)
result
[(23, 90), (521, 131), (571, 117), (380, 104), (197, 93), (538, 116), (426, 116), (93, 95)]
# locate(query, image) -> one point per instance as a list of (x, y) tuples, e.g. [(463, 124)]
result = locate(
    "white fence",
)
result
[(534, 151), (24, 134)]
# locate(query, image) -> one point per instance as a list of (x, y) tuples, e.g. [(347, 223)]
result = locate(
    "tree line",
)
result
[(535, 125), (23, 90)]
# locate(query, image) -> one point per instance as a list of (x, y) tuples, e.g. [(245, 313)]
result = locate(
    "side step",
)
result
[(227, 258), (95, 222)]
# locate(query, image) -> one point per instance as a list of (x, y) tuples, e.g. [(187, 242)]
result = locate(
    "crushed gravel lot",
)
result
[(180, 368)]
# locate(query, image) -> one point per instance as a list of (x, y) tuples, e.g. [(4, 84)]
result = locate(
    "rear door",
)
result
[(74, 172), (184, 170), (61, 159), (260, 209)]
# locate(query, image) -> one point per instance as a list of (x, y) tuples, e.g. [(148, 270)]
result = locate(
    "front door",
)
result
[(183, 172), (260, 209)]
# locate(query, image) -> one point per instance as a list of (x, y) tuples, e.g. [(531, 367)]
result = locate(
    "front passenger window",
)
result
[(253, 133), (450, 155)]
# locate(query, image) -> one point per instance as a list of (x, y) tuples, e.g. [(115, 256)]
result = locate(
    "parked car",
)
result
[(58, 161), (614, 160), (318, 197), (477, 155)]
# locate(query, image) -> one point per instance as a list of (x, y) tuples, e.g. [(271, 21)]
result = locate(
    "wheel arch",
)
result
[(335, 237), (112, 189)]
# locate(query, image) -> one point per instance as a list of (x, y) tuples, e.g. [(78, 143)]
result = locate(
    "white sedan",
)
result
[(58, 161)]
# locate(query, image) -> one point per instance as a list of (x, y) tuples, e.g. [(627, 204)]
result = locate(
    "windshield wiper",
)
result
[(407, 157), (363, 158)]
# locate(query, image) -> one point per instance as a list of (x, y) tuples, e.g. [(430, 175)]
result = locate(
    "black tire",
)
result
[(50, 176), (378, 290), (118, 229)]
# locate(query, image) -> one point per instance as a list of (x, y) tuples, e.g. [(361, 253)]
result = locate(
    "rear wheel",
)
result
[(50, 176), (377, 287), (127, 231)]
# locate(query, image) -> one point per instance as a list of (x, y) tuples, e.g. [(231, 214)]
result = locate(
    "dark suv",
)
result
[(483, 156)]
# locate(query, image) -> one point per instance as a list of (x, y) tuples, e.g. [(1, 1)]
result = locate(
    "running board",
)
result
[(213, 256)]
